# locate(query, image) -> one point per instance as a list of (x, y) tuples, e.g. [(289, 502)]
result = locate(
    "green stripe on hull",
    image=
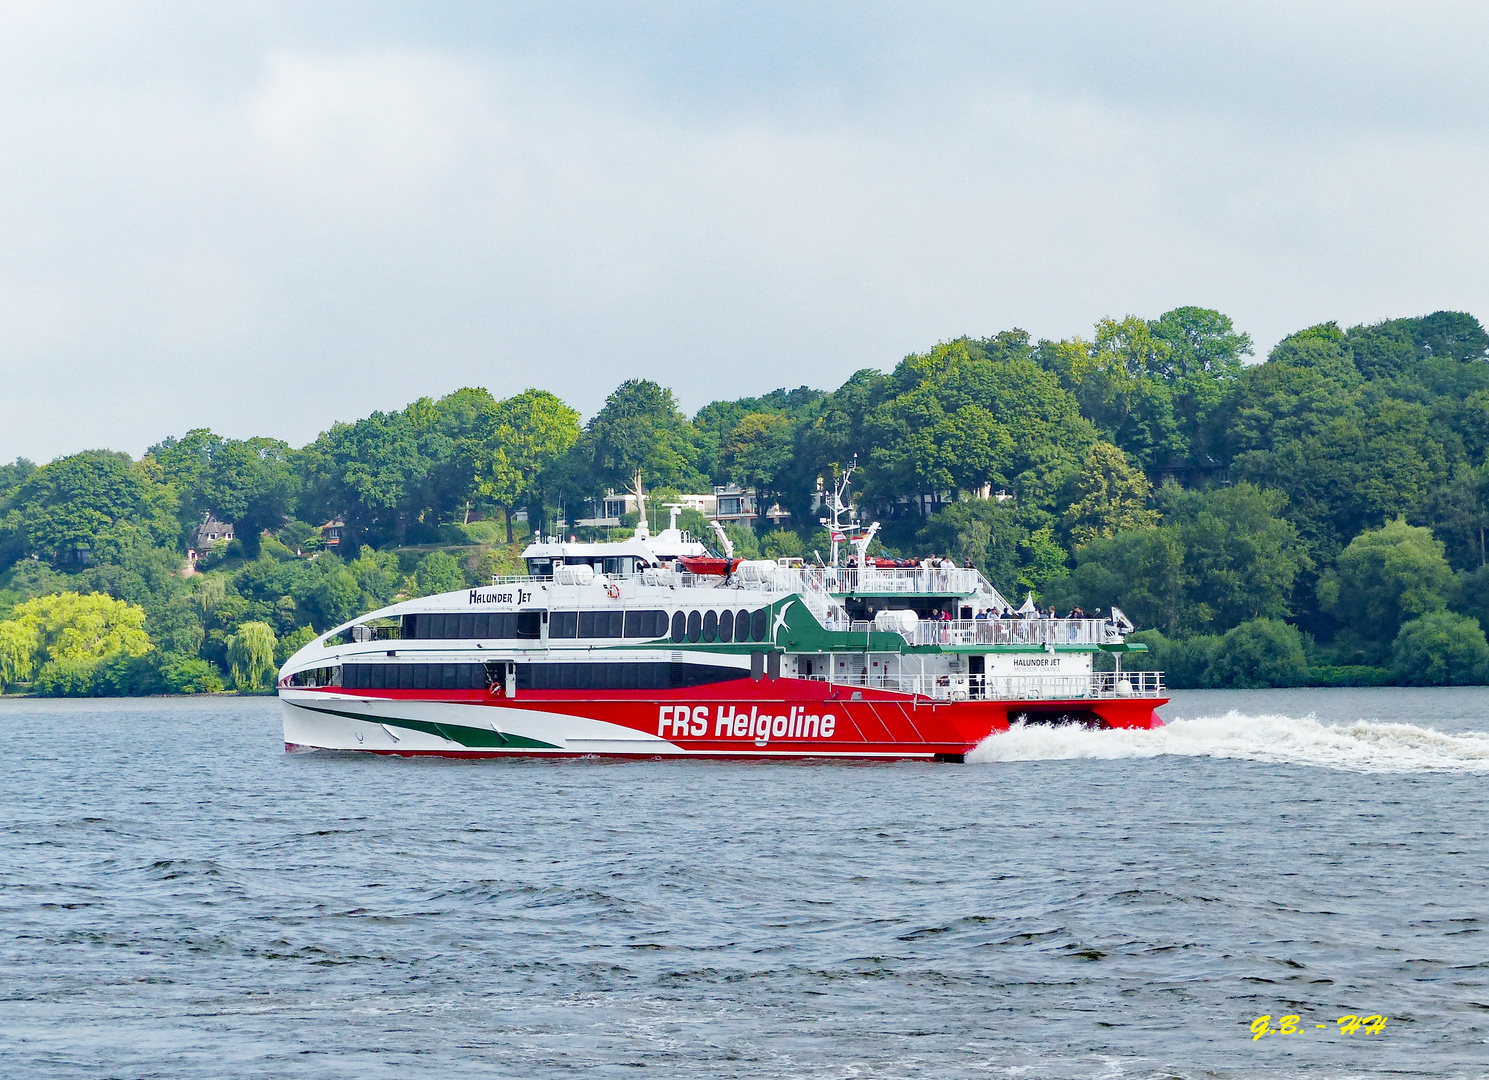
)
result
[(456, 733)]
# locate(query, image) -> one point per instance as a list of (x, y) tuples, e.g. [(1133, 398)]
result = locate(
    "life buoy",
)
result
[(612, 590)]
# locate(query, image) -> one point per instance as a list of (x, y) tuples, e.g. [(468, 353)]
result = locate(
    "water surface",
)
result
[(179, 898)]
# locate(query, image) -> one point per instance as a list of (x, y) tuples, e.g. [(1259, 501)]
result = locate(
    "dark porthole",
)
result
[(695, 625), (758, 624), (741, 626), (726, 626), (710, 625), (679, 626)]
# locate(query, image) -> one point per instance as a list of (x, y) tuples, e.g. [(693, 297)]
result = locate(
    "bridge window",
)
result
[(321, 676)]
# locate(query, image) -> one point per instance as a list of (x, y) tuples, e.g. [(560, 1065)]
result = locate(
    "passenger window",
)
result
[(679, 626)]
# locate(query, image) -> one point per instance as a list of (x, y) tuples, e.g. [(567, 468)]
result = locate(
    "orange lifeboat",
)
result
[(708, 565)]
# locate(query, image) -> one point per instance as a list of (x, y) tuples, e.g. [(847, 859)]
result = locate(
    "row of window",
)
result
[(622, 676), (419, 676), (642, 675), (607, 624), (708, 626), (442, 625), (721, 625)]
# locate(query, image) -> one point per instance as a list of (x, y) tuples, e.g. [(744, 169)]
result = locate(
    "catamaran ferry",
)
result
[(655, 647)]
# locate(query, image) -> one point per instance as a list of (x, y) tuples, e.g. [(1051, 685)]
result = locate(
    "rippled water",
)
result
[(180, 899)]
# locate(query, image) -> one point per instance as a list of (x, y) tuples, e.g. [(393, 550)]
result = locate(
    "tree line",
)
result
[(1318, 516)]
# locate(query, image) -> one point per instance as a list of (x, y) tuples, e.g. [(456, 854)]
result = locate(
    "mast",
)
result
[(839, 531)]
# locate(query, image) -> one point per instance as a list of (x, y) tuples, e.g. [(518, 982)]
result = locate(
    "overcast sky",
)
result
[(262, 218)]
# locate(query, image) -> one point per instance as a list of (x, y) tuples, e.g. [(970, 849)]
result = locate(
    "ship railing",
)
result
[(1095, 686), (933, 581), (1035, 632), (1038, 632)]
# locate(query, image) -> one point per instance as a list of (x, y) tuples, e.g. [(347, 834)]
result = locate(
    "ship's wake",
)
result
[(1362, 746)]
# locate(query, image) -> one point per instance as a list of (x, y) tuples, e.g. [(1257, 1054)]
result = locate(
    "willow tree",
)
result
[(250, 654)]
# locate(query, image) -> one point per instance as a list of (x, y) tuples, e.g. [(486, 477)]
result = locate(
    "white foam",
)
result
[(1364, 745)]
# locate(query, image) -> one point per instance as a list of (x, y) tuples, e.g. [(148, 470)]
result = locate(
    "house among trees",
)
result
[(209, 533), (741, 505), (614, 507), (331, 533), (728, 503)]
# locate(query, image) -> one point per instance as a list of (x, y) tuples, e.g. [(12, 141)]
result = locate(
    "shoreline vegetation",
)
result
[(1318, 518)]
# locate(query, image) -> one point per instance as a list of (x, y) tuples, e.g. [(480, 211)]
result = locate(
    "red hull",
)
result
[(794, 717)]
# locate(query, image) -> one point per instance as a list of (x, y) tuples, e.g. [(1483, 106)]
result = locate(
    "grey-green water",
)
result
[(180, 899)]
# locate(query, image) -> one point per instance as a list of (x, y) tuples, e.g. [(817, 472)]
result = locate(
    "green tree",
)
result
[(781, 544), (1259, 653), (715, 423), (189, 675), (1386, 577), (250, 654), (965, 415), (68, 626), (759, 452), (19, 645), (1242, 558), (337, 598), (531, 432), (292, 643), (639, 428), (438, 573), (377, 578), (86, 508), (989, 535), (1142, 571), (1440, 649), (371, 473), (1111, 496), (71, 676), (249, 482)]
